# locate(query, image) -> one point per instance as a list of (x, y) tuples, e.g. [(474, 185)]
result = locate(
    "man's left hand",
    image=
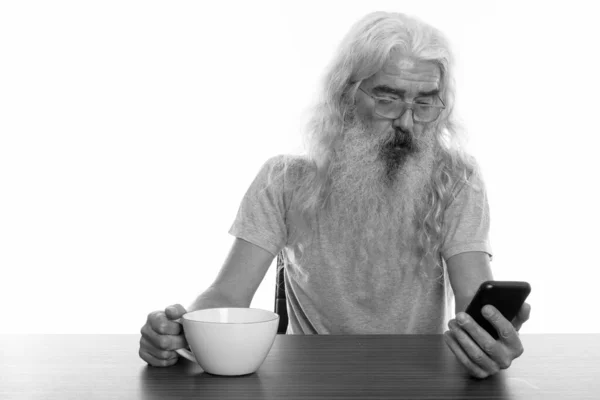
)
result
[(481, 355)]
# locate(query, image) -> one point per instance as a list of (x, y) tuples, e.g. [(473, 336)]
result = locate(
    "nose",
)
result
[(404, 121)]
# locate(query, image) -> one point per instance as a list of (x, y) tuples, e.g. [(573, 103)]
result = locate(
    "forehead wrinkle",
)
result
[(425, 75), (418, 79), (411, 68), (408, 85)]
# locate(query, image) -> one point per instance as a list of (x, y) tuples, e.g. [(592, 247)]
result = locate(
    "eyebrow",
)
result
[(401, 92)]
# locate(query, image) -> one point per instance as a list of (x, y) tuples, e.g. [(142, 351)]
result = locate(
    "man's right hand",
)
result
[(161, 336)]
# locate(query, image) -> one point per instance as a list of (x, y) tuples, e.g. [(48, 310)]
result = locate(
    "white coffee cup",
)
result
[(229, 341)]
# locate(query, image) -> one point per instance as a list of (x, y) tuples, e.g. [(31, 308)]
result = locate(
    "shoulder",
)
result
[(468, 179), (474, 181), (288, 161), (286, 167)]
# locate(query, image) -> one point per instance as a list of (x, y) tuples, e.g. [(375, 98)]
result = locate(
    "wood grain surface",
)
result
[(297, 367)]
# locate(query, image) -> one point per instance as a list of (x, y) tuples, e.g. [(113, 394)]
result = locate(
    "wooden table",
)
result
[(298, 367)]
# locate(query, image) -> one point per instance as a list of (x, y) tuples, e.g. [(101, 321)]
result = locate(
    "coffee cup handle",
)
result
[(185, 353)]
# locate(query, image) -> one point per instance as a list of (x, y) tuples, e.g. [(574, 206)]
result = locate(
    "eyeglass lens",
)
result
[(421, 112)]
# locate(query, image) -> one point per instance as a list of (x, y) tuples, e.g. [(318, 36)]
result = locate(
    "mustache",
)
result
[(402, 139)]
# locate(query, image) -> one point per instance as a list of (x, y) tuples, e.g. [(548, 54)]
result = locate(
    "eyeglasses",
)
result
[(424, 110)]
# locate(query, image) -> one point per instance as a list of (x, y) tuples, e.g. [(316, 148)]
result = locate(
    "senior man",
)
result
[(383, 223)]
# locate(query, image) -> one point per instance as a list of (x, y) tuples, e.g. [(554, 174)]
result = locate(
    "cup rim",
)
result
[(276, 316)]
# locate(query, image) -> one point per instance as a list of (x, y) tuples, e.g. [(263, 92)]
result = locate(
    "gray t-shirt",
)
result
[(323, 296)]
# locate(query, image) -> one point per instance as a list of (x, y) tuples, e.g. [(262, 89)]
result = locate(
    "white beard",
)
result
[(375, 202)]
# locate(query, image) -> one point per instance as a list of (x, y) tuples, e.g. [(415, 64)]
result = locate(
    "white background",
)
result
[(130, 130)]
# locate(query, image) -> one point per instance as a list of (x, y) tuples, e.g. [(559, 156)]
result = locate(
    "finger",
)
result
[(472, 349), (175, 311), (163, 342), (522, 316), (161, 324), (157, 353), (470, 366), (506, 330), (495, 350), (155, 362)]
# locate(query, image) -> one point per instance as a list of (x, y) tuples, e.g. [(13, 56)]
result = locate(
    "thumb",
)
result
[(175, 311)]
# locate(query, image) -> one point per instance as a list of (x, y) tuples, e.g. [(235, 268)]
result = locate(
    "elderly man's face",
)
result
[(402, 78)]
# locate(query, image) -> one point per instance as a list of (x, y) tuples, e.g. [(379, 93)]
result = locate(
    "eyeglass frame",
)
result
[(408, 106)]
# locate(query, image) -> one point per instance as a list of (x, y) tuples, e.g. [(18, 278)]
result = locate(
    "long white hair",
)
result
[(362, 53)]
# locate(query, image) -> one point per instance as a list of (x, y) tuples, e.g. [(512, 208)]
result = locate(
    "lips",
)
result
[(401, 140), (400, 144)]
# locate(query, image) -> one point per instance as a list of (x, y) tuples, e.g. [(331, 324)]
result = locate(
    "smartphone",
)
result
[(507, 296)]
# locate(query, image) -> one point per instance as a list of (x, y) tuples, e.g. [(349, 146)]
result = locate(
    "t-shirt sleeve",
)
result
[(468, 220), (260, 218)]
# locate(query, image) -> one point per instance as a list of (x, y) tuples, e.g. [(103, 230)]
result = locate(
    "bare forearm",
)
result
[(460, 304), (213, 298)]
